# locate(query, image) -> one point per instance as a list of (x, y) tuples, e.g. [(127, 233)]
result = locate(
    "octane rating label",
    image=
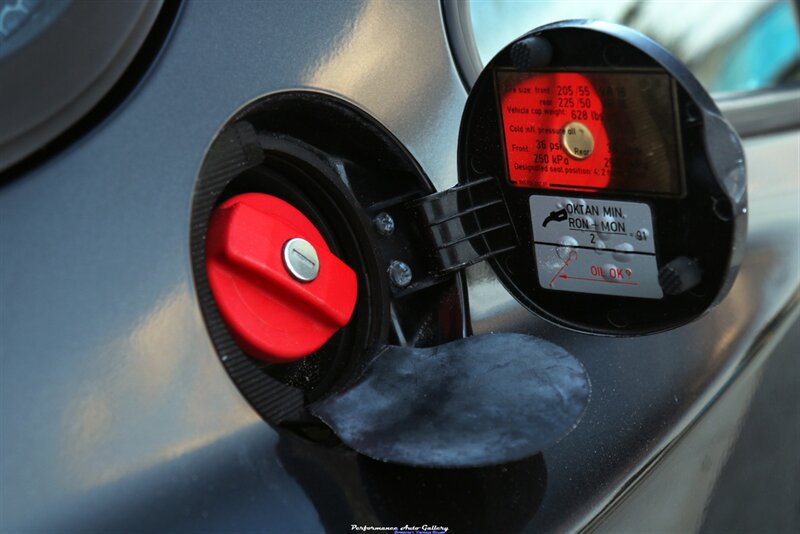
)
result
[(595, 246), (592, 223)]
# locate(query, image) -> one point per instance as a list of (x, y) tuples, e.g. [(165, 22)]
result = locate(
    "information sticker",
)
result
[(595, 246), (590, 131)]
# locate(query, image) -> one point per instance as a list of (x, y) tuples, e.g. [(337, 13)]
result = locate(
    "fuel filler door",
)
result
[(623, 184)]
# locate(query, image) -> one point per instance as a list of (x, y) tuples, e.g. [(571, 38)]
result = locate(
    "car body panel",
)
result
[(116, 411)]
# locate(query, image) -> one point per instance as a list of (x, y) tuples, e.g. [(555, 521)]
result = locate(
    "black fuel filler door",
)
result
[(624, 186)]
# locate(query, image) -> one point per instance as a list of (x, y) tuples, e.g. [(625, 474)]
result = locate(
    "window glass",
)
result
[(729, 46)]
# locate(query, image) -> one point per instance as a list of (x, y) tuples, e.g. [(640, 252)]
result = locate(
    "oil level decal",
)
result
[(595, 246)]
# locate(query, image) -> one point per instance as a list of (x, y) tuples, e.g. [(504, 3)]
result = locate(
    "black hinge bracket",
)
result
[(467, 223)]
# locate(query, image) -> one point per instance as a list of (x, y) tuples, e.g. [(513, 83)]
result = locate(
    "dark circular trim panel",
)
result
[(341, 169), (706, 222), (102, 50), (232, 152)]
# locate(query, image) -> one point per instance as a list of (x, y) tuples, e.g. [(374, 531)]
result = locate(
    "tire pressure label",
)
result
[(595, 246), (590, 131)]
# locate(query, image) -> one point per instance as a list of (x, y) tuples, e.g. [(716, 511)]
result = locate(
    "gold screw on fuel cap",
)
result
[(577, 140)]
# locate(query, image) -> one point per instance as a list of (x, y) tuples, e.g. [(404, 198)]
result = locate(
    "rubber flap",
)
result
[(477, 401)]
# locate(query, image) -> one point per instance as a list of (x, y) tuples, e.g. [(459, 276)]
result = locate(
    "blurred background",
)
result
[(730, 46)]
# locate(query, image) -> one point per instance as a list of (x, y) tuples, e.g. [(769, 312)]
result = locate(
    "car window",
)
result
[(729, 46)]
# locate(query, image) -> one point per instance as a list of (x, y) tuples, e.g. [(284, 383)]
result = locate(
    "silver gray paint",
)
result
[(108, 375), (116, 412)]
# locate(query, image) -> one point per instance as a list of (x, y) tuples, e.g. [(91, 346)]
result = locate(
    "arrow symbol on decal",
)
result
[(573, 255)]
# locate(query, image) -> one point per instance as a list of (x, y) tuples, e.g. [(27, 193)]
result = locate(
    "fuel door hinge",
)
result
[(467, 223)]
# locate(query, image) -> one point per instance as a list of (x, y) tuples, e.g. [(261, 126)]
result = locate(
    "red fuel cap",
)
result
[(279, 288)]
